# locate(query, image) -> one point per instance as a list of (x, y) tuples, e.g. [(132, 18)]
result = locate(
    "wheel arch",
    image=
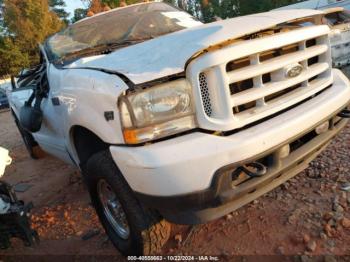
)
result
[(85, 143)]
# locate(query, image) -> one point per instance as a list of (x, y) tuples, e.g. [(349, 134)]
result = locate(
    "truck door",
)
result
[(50, 136)]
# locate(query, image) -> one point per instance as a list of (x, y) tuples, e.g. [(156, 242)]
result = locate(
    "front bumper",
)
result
[(222, 198), (181, 177)]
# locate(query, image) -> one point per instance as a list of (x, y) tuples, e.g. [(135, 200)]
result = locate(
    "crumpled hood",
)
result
[(168, 54)]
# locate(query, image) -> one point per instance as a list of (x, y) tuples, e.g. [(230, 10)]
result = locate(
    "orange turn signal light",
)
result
[(130, 136)]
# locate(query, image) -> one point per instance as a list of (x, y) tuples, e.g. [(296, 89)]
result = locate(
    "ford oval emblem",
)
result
[(294, 70)]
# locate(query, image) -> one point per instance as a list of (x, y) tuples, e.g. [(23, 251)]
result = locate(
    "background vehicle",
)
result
[(169, 118), (338, 20), (3, 100)]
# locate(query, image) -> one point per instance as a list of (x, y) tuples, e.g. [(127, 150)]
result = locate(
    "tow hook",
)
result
[(345, 113), (254, 169)]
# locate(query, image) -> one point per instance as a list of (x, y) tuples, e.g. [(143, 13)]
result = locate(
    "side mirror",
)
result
[(30, 118)]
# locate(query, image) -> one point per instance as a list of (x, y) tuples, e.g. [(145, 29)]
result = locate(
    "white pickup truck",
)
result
[(173, 120)]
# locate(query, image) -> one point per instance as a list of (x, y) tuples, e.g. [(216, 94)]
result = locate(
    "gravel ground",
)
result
[(308, 215)]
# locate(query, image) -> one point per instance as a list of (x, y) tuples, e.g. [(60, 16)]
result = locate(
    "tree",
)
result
[(2, 27), (205, 10), (210, 10), (118, 3), (79, 14), (27, 24), (97, 6), (111, 3), (12, 59), (58, 7), (30, 22)]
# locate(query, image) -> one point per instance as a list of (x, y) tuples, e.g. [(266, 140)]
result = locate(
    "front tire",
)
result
[(132, 229)]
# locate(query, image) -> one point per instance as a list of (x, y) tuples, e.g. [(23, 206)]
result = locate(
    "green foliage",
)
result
[(111, 3), (58, 7), (116, 3), (12, 59), (252, 6), (210, 10), (27, 23), (30, 22), (2, 26), (79, 14)]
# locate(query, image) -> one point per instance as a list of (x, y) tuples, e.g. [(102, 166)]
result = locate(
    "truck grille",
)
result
[(254, 78), (205, 93)]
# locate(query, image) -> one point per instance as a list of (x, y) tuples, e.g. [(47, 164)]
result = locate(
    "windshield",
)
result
[(130, 24)]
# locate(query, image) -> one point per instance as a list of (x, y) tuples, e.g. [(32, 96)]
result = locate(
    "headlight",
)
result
[(157, 112)]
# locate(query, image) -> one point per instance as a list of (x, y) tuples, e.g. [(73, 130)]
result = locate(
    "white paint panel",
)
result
[(168, 54)]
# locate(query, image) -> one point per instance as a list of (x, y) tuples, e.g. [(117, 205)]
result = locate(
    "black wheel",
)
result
[(132, 229), (31, 145)]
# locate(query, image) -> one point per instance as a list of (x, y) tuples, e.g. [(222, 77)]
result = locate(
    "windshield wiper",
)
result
[(100, 49)]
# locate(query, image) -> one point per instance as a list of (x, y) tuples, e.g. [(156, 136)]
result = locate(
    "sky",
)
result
[(72, 5)]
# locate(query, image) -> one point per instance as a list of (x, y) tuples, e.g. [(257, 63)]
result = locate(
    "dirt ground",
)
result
[(309, 215)]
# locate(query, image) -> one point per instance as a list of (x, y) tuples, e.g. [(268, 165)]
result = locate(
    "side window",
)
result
[(35, 78)]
